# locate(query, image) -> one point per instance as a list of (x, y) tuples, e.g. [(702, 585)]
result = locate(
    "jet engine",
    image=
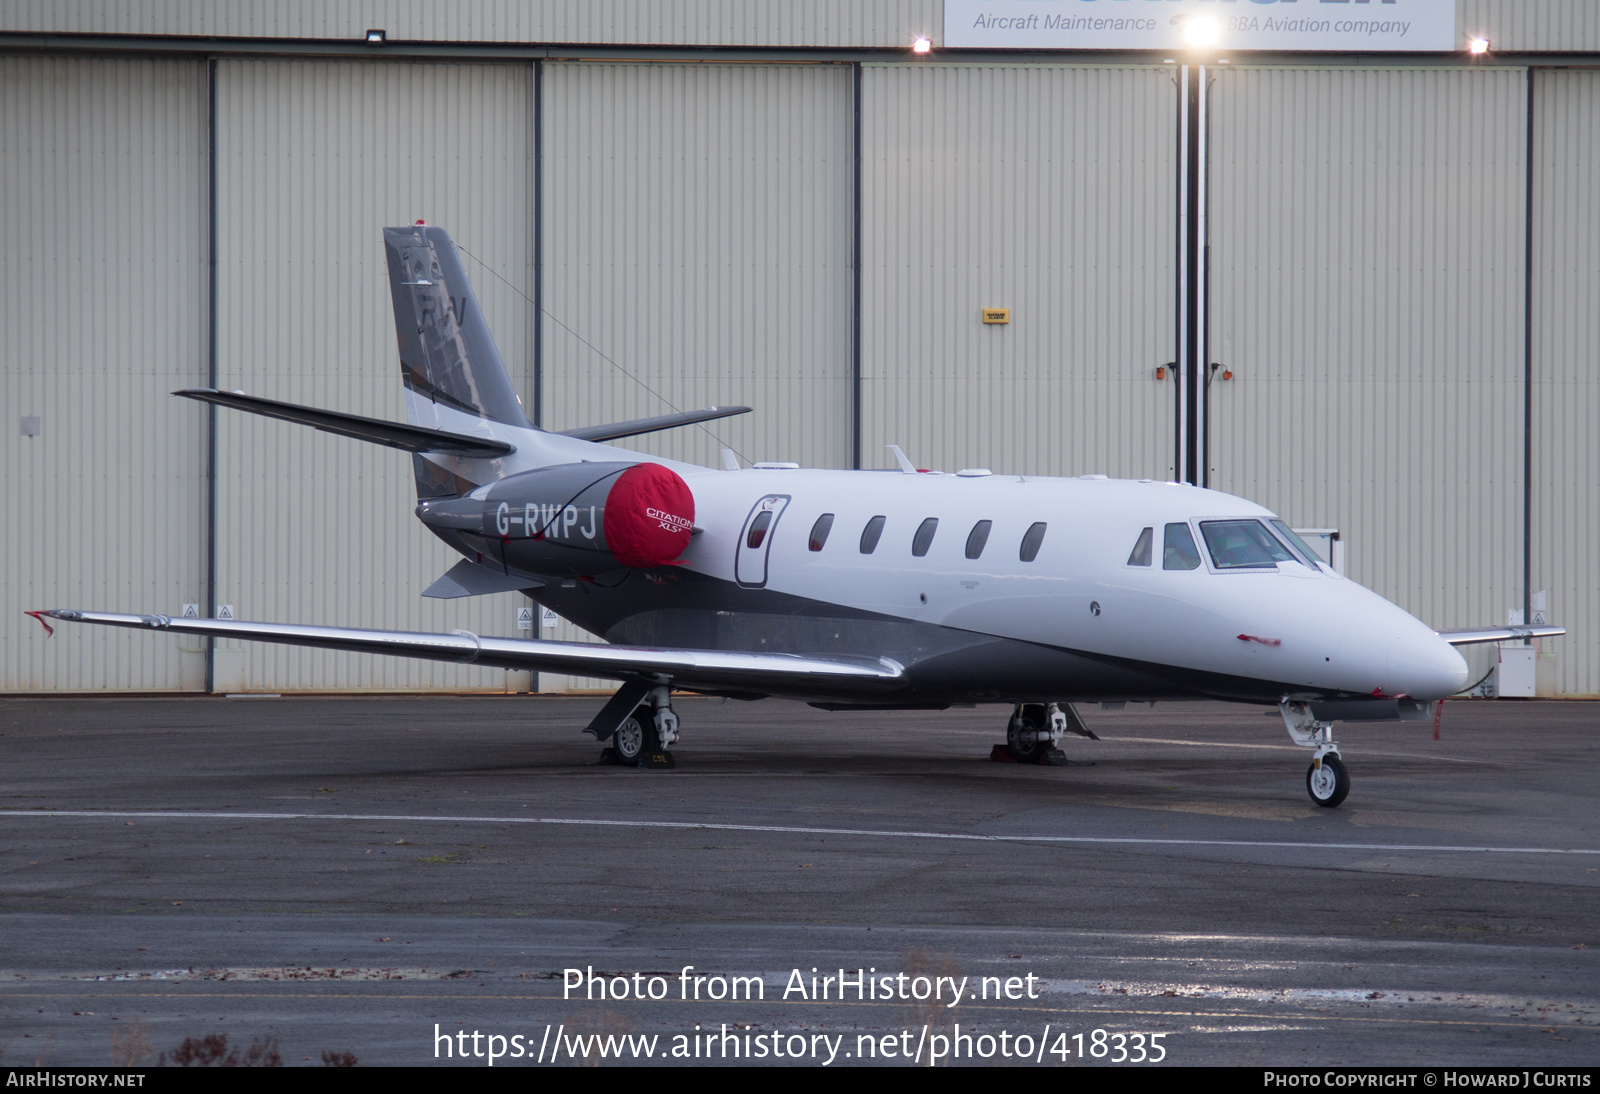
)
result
[(574, 519)]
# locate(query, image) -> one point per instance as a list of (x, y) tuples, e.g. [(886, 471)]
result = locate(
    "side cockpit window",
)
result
[(1178, 551), (1141, 550)]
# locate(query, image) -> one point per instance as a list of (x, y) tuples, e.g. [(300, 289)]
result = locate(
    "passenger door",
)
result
[(755, 541)]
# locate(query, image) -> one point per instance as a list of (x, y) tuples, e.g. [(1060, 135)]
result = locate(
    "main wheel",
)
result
[(629, 740), (1329, 784), (1021, 741)]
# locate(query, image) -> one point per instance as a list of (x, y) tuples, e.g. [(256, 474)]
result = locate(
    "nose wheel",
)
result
[(1328, 780)]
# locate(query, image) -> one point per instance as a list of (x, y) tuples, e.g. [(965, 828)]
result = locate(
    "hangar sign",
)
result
[(1408, 26)]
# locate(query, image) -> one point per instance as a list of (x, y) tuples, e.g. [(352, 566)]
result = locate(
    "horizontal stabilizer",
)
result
[(1498, 634), (468, 578), (651, 425), (696, 670), (410, 438)]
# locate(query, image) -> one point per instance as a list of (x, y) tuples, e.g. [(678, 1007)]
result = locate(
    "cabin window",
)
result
[(1178, 551), (820, 530), (1307, 552), (758, 529), (924, 537), (1242, 544), (978, 537), (1141, 550), (871, 534), (1031, 539)]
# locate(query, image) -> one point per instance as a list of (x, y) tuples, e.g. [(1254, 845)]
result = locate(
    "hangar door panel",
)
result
[(315, 159), (1566, 384), (104, 284), (1046, 190), (697, 252), (1366, 293)]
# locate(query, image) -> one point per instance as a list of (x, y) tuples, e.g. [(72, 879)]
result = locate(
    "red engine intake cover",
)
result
[(649, 516)]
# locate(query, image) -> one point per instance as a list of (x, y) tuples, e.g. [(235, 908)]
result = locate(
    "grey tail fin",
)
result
[(447, 356)]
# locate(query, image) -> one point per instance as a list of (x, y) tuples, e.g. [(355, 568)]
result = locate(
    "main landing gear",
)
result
[(1033, 736), (642, 736), (1327, 779)]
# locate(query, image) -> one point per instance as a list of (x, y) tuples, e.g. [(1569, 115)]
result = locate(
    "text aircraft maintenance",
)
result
[(852, 590)]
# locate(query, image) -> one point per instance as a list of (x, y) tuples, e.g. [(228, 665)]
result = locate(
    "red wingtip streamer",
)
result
[(49, 631)]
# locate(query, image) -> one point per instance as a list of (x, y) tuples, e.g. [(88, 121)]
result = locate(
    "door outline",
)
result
[(750, 563)]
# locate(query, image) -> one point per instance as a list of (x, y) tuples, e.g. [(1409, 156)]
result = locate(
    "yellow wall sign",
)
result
[(997, 315)]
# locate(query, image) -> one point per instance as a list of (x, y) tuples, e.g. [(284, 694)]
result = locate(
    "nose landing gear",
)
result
[(1327, 779)]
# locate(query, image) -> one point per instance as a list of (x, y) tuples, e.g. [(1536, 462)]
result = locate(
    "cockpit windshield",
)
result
[(1305, 550), (1241, 544)]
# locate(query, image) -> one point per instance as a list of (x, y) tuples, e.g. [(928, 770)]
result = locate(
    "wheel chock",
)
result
[(1053, 757), (658, 761), (1000, 754)]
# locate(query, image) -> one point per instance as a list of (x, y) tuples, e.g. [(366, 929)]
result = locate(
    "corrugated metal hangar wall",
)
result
[(691, 231)]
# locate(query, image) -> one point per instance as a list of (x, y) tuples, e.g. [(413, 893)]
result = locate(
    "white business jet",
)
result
[(853, 590)]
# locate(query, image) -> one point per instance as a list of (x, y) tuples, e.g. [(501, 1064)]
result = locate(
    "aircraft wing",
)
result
[(1498, 634), (708, 670)]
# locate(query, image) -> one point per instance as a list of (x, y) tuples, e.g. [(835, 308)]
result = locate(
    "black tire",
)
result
[(631, 739), (1022, 750), (1331, 785)]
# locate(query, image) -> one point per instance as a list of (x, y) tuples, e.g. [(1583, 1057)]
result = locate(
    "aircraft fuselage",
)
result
[(935, 571)]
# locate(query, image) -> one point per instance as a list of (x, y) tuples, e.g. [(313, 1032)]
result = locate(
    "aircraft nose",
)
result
[(1425, 666)]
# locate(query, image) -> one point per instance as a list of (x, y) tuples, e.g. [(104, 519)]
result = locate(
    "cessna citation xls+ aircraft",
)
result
[(852, 589)]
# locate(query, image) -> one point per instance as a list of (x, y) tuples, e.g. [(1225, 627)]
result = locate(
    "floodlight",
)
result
[(1201, 31), (922, 45)]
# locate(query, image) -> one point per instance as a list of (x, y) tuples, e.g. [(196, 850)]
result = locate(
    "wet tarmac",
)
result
[(385, 878)]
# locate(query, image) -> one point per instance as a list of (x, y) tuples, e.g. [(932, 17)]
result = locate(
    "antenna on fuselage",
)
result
[(905, 465)]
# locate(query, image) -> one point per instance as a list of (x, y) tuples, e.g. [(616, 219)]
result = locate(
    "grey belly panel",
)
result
[(944, 664)]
